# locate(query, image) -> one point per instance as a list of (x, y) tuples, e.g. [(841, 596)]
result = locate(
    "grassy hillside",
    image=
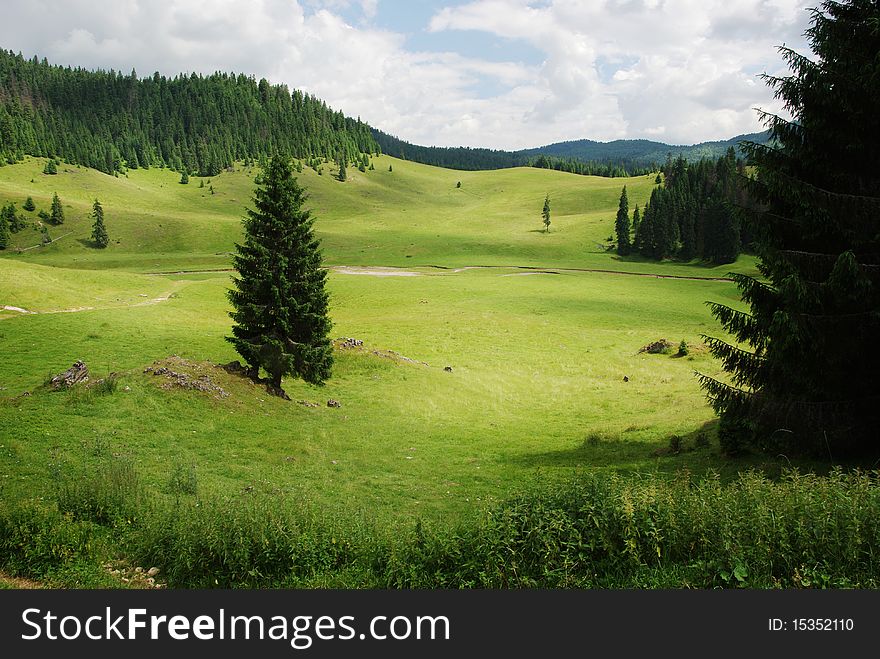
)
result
[(412, 216)]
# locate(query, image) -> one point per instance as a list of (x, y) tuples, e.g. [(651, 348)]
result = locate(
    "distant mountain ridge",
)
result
[(643, 152), (627, 154)]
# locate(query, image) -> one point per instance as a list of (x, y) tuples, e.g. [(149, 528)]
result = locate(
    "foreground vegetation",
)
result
[(593, 531)]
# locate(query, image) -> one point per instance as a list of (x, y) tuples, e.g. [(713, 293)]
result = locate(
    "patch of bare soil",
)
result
[(178, 373), (19, 583)]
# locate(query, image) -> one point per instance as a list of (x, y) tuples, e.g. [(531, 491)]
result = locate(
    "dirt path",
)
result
[(18, 583), (143, 303), (384, 271), (395, 271)]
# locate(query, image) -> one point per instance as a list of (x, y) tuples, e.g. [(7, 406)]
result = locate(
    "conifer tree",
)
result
[(637, 219), (806, 374), (184, 178), (29, 204), (621, 225), (545, 214), (342, 173), (57, 214), (50, 167), (281, 322), (99, 231)]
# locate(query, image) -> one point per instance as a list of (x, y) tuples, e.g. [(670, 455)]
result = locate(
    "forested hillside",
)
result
[(193, 123)]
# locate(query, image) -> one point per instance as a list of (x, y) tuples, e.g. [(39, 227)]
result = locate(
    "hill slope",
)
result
[(414, 215)]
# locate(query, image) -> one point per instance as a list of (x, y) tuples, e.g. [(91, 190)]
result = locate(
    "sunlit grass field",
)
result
[(537, 358)]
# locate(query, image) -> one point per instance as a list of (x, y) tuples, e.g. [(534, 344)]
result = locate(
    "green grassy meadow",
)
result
[(539, 330)]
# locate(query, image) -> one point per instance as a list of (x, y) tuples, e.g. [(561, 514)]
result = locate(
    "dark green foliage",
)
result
[(693, 214), (50, 167), (804, 377), (390, 169), (45, 239), (545, 213), (56, 217), (110, 121), (44, 216), (574, 166), (29, 204), (458, 185), (343, 175), (279, 299), (621, 225), (683, 349), (99, 231), (184, 179)]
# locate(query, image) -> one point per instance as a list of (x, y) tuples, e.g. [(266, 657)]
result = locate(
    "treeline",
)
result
[(466, 158), (190, 123), (592, 168), (692, 215)]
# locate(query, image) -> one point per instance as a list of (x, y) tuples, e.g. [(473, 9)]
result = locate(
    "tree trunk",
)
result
[(273, 386)]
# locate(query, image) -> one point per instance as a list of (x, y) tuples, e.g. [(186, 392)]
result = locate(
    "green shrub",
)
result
[(249, 542), (109, 494), (106, 386), (612, 532), (36, 540)]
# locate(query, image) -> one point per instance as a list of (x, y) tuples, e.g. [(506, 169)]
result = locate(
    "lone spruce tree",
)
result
[(621, 225), (99, 231), (281, 323), (804, 376), (545, 214), (57, 215)]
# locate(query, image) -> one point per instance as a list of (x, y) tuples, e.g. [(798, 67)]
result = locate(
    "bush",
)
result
[(252, 542), (683, 350), (108, 495), (612, 532), (106, 386), (36, 540)]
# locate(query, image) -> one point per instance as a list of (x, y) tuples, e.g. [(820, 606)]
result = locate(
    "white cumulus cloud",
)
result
[(678, 70)]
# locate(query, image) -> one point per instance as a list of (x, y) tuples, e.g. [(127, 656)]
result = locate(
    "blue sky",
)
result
[(482, 73)]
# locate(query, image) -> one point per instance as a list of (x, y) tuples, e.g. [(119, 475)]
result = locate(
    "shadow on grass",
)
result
[(697, 452)]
